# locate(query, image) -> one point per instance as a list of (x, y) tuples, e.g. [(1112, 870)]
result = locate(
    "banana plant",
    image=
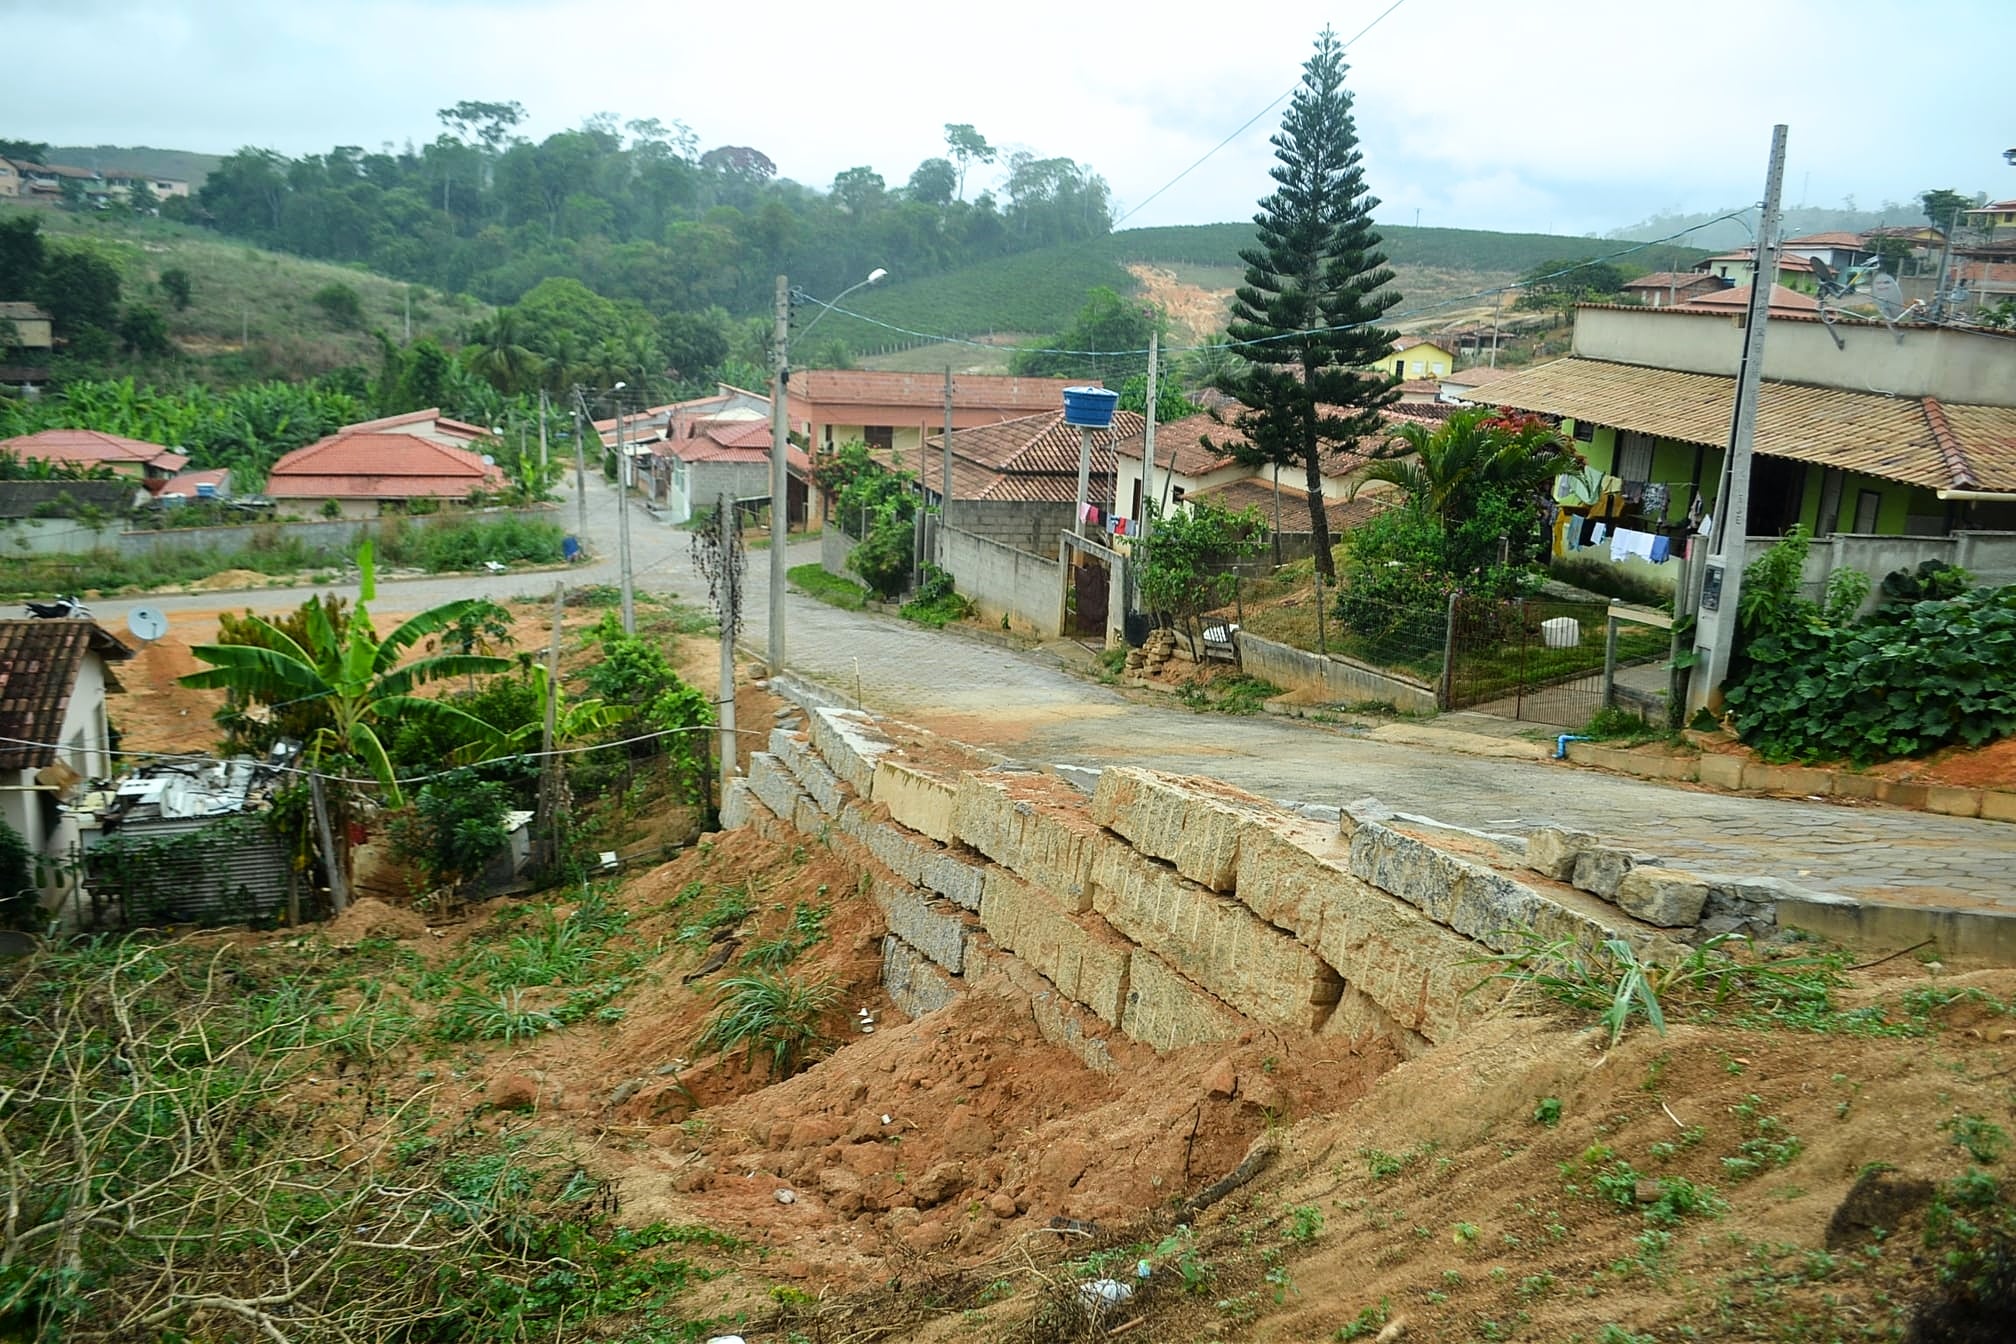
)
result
[(357, 675)]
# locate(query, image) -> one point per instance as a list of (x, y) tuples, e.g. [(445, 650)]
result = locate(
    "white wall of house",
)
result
[(1967, 367), (1129, 476), (85, 746)]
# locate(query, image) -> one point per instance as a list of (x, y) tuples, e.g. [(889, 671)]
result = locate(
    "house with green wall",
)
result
[(1904, 433)]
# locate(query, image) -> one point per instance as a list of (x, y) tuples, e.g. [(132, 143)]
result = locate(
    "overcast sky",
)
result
[(1566, 116)]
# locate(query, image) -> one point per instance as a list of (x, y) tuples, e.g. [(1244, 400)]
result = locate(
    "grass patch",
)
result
[(834, 591), (1240, 695)]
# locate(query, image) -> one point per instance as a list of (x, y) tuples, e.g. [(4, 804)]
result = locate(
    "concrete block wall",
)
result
[(1167, 911), (1332, 680), (1024, 525), (1003, 580)]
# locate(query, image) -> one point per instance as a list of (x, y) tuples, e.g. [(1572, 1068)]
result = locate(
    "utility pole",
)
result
[(945, 490), (542, 440), (1722, 584), (623, 520), (1148, 443), (1084, 477), (580, 469), (780, 475), (546, 827), (729, 616)]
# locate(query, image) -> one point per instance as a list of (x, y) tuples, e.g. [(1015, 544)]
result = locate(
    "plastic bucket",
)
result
[(1563, 632)]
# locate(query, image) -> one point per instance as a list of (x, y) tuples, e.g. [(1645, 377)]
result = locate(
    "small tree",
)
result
[(1191, 557), (457, 824), (144, 331), (175, 284), (340, 305), (1316, 284)]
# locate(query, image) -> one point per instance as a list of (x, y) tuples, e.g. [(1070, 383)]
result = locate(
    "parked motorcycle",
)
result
[(60, 609)]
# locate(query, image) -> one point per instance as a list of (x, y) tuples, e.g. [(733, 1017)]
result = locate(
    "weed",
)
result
[(1368, 1322), (1769, 1143), (1463, 1234), (1984, 1140), (472, 1016), (1305, 1223), (834, 591), (1547, 1111), (771, 1013)]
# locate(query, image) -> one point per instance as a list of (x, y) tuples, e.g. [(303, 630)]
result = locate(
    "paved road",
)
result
[(1028, 706)]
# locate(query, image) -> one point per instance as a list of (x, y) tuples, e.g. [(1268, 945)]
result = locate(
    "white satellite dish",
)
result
[(147, 623)]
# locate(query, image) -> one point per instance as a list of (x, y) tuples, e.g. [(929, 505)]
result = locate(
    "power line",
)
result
[(1473, 296), (1247, 124)]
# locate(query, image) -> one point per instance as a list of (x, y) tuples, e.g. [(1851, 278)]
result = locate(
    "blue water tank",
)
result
[(206, 490), (1089, 407)]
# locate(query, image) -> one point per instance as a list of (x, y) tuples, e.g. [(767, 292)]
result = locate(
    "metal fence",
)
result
[(1537, 659)]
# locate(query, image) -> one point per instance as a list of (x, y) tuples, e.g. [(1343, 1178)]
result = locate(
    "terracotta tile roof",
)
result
[(380, 466), (39, 662), (431, 418), (871, 387), (1785, 263), (1737, 300), (92, 448), (187, 481), (1031, 458), (1477, 377), (1893, 438), (1257, 492), (1837, 238), (1179, 446), (1673, 280), (1409, 342)]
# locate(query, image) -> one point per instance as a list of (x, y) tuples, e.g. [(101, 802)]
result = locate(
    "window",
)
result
[(1419, 368), (1399, 368), (1868, 503), (879, 436), (1634, 456), (1585, 431)]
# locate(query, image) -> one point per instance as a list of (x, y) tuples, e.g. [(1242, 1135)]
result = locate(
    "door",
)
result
[(1089, 584)]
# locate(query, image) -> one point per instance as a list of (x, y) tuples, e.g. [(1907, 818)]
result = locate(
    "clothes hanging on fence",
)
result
[(1662, 550), (1117, 525), (1598, 534), (1092, 513), (1658, 497)]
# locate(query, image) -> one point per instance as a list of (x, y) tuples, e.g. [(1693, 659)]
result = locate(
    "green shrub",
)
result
[(340, 305), (1817, 682), (773, 1014), (936, 604)]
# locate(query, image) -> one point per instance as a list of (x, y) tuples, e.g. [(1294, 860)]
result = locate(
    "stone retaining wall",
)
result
[(1172, 911)]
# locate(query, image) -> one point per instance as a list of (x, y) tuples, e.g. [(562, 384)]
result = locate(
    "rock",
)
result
[(1600, 870), (1063, 1164), (691, 1178), (1648, 1191), (1001, 1204), (779, 1136), (513, 1092), (814, 1133), (786, 1197), (1663, 896), (940, 1183), (927, 1237), (869, 1159), (969, 1136), (1221, 1079), (625, 1091), (1552, 851)]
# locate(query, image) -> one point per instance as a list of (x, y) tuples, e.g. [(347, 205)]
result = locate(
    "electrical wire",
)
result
[(409, 779), (1247, 124), (1471, 297)]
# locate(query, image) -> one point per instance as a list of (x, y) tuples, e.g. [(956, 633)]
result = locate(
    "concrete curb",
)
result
[(1733, 774)]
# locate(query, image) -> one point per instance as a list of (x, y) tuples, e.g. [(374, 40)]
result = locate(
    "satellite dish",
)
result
[(147, 623), (1824, 273), (489, 461), (1889, 296)]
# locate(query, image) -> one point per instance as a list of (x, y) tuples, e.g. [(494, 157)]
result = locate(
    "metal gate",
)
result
[(1090, 583), (1535, 659)]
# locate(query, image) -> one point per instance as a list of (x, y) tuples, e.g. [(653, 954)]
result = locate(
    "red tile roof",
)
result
[(380, 466), (1409, 342), (970, 391), (1737, 300), (39, 662), (1257, 492), (186, 482), (1837, 238), (92, 448), (432, 416)]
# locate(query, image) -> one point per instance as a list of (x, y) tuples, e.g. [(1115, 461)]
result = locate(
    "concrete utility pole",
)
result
[(580, 469), (1084, 477), (1147, 444), (542, 440), (780, 475), (1722, 584), (623, 519), (945, 491)]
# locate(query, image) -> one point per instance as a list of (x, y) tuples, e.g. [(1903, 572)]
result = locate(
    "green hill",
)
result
[(251, 312), (1040, 291), (187, 165)]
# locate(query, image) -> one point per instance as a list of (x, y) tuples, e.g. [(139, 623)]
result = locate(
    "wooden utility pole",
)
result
[(730, 607), (780, 473), (1722, 584), (945, 489), (332, 860), (546, 826)]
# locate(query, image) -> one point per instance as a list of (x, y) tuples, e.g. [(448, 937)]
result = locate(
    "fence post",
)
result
[(1609, 660), (1445, 691)]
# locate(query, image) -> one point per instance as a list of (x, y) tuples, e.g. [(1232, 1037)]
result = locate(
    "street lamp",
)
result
[(780, 441)]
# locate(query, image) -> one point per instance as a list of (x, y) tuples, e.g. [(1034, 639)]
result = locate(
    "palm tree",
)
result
[(499, 355), (352, 673), (1446, 468)]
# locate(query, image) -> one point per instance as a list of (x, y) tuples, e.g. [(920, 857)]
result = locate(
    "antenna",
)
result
[(147, 623)]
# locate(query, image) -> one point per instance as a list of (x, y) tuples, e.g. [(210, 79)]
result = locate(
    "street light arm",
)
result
[(826, 307)]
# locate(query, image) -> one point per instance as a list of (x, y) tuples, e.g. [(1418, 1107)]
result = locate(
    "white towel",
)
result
[(1627, 542)]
